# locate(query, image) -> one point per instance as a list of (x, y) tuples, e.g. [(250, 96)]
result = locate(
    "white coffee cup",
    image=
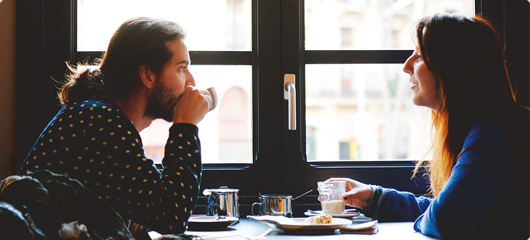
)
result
[(213, 94)]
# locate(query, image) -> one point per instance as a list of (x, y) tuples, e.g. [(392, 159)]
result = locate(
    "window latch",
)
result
[(289, 94)]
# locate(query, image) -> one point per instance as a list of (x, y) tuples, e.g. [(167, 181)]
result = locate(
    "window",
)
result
[(360, 104), (229, 30), (367, 105), (233, 85), (370, 25), (356, 118), (347, 57)]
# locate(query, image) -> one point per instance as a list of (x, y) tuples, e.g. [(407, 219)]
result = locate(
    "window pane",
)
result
[(370, 24), (225, 132), (210, 24), (363, 112)]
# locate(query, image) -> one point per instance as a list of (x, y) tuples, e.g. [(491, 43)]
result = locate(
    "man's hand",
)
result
[(192, 106)]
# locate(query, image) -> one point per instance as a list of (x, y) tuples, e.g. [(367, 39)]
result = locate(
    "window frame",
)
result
[(51, 24)]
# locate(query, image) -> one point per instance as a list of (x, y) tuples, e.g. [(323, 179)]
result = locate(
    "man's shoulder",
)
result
[(91, 110), (93, 104), (95, 113)]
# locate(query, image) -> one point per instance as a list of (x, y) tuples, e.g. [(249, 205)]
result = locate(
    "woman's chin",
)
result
[(420, 103), (416, 101)]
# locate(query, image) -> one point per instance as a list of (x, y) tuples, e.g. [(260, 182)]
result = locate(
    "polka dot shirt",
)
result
[(94, 141)]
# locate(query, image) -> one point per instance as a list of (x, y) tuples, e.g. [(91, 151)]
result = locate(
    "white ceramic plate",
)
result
[(297, 224), (205, 223), (345, 214)]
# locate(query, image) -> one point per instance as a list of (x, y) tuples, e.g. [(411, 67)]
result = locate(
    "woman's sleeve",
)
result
[(390, 205), (481, 177), (467, 196), (120, 173), (455, 212)]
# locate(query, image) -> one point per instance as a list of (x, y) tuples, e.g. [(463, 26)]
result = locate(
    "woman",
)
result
[(480, 166)]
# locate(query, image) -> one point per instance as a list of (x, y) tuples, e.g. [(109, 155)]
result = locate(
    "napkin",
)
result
[(361, 228), (273, 219)]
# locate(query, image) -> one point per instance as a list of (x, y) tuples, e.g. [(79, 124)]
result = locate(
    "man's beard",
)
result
[(161, 103)]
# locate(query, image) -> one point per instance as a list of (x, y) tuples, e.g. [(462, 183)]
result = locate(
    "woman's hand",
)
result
[(192, 106), (357, 193)]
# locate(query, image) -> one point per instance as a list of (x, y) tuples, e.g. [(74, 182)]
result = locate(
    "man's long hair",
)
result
[(138, 41)]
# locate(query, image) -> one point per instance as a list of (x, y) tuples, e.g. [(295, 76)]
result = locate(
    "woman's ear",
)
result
[(147, 76)]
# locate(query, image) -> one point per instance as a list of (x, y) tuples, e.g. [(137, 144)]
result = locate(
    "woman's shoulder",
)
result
[(484, 128), (495, 130)]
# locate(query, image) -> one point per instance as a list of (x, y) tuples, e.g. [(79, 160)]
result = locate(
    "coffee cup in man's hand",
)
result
[(213, 95)]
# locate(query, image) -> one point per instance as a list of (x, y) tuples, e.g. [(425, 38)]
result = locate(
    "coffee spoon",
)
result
[(303, 194)]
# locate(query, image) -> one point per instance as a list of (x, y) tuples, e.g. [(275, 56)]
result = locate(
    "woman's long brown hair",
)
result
[(467, 57)]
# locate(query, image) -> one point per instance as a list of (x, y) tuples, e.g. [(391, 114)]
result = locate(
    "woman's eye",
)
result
[(418, 56)]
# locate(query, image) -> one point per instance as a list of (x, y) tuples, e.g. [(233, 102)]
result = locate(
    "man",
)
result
[(95, 136)]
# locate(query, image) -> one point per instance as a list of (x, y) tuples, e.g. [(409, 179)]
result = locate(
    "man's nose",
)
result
[(190, 80)]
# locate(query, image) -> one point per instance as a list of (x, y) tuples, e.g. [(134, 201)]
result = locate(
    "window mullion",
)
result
[(197, 57), (356, 56)]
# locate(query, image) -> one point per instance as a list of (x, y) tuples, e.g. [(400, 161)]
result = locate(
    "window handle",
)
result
[(289, 94)]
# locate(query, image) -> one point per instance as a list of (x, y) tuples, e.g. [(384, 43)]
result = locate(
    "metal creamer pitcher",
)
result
[(222, 202), (274, 204)]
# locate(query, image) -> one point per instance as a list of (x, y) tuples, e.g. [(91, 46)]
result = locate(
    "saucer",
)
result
[(205, 223), (345, 214)]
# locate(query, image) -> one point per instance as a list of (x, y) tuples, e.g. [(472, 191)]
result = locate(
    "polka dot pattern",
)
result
[(94, 142)]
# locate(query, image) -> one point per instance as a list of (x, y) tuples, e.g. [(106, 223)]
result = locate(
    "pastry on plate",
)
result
[(319, 219)]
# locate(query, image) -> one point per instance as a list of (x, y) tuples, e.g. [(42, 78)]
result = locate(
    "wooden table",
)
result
[(248, 227)]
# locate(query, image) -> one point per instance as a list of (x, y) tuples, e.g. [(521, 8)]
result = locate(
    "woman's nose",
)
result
[(407, 67)]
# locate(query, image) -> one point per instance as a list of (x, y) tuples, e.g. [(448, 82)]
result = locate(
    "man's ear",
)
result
[(147, 76)]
